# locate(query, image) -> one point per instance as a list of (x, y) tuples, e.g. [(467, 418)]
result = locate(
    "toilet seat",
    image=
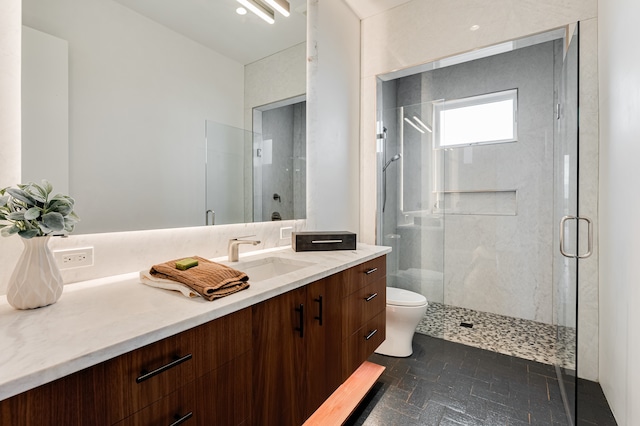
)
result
[(401, 297)]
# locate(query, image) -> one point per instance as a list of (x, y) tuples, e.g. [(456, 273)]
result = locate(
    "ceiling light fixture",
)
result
[(259, 9), (413, 124), (241, 11), (281, 6), (427, 128)]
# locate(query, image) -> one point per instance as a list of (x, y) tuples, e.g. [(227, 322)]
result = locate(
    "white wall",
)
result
[(422, 31), (620, 207), (333, 104)]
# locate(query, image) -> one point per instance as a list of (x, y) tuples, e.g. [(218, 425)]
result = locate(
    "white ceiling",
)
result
[(367, 8), (215, 23)]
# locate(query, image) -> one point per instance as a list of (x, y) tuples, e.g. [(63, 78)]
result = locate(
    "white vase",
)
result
[(36, 280)]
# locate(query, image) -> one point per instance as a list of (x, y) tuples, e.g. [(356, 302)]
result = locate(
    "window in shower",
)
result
[(484, 119)]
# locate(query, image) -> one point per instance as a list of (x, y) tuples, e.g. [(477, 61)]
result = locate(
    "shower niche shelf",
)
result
[(502, 202)]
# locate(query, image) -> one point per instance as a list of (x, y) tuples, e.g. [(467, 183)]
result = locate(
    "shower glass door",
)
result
[(476, 170), (566, 218), (410, 222)]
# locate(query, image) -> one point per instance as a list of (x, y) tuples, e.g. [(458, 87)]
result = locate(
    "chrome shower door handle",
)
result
[(589, 237), (562, 226)]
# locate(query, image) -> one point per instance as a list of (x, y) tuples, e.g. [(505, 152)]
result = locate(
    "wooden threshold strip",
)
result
[(339, 406)]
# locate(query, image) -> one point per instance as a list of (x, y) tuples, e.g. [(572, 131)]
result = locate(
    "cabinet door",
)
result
[(324, 354), (279, 359), (224, 395)]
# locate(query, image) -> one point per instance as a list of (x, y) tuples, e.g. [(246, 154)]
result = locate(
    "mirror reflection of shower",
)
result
[(279, 160)]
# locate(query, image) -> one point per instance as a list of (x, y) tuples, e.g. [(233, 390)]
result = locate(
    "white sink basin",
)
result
[(269, 267)]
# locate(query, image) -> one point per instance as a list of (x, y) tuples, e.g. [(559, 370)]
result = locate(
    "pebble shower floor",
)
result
[(506, 335)]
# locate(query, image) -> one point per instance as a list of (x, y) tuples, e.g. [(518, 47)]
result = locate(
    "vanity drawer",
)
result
[(180, 404), (364, 274), (142, 377), (363, 305), (221, 397), (361, 344)]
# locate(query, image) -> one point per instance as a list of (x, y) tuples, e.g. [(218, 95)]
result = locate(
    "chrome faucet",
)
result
[(235, 242)]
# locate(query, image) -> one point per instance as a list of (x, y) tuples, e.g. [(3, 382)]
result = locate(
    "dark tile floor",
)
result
[(447, 383)]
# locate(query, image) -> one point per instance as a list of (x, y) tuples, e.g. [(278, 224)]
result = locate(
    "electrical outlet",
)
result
[(285, 233), (74, 258)]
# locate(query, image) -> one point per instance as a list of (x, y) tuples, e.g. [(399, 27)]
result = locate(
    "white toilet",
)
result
[(405, 309)]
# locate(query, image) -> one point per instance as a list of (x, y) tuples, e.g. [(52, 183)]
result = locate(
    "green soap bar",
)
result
[(187, 263)]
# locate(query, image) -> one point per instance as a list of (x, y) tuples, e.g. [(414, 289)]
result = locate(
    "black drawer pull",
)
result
[(371, 334), (373, 296), (147, 375), (319, 317), (180, 420), (370, 271), (300, 310)]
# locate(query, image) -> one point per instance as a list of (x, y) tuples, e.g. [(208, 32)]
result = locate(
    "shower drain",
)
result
[(466, 324)]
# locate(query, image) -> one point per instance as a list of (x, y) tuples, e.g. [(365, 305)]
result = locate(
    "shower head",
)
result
[(394, 158)]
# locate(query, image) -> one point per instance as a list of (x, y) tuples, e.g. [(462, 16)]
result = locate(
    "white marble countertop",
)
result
[(100, 319)]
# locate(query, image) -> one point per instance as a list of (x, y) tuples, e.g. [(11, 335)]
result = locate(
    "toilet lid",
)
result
[(401, 297)]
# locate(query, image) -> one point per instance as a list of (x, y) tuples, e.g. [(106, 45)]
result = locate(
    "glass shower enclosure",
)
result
[(477, 171)]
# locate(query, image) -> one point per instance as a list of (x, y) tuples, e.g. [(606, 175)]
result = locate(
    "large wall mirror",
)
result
[(118, 96)]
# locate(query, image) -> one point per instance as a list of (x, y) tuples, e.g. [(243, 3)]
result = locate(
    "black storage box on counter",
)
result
[(323, 241)]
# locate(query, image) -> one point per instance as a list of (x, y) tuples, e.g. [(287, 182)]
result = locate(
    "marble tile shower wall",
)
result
[(491, 263), (284, 171)]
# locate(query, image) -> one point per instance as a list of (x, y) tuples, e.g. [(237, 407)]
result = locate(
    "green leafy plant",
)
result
[(29, 212)]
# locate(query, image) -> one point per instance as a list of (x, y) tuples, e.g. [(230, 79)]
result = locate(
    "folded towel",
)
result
[(150, 280), (209, 279)]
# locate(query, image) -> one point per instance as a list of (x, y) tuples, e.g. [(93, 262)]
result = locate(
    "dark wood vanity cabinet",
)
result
[(364, 309), (75, 400), (324, 348), (296, 353), (308, 341), (273, 363), (203, 373)]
